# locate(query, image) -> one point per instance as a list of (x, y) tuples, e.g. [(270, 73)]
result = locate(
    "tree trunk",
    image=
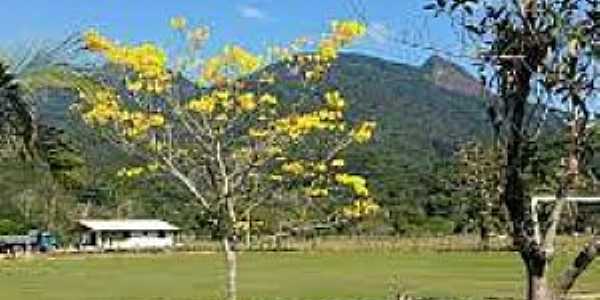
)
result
[(579, 265), (537, 280), (484, 235), (231, 258)]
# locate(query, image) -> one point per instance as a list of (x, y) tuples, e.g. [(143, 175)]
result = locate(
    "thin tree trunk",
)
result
[(231, 258), (248, 233)]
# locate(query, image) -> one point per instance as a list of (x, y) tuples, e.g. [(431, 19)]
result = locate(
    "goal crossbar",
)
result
[(547, 199)]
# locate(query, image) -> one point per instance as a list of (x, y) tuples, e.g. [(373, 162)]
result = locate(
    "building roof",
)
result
[(128, 225)]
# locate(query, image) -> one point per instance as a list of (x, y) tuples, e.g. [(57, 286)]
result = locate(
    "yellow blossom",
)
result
[(317, 192), (104, 107), (131, 172), (94, 41), (347, 30), (134, 85), (247, 102), (222, 117), (218, 68), (276, 177), (178, 23), (204, 105), (321, 167), (153, 167), (257, 133), (211, 70), (222, 95), (157, 120), (360, 208), (357, 183), (274, 150), (327, 49), (294, 168), (337, 163), (244, 60), (268, 99), (148, 61), (335, 100), (364, 132)]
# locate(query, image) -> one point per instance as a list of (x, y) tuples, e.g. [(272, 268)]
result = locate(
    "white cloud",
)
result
[(252, 12), (379, 33)]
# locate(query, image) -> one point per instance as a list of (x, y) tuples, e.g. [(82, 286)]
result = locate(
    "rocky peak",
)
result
[(450, 76)]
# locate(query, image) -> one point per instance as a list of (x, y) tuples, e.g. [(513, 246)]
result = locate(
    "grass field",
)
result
[(284, 275)]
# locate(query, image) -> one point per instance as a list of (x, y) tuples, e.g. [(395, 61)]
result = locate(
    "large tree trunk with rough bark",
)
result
[(231, 259), (537, 279)]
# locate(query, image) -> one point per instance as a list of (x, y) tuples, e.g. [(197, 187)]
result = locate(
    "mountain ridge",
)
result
[(423, 113)]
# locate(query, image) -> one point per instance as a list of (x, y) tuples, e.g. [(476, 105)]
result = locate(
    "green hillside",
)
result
[(422, 112), (420, 120)]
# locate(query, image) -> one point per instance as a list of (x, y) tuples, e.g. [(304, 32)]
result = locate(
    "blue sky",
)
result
[(252, 23)]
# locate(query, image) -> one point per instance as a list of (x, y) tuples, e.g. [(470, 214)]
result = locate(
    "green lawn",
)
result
[(366, 275)]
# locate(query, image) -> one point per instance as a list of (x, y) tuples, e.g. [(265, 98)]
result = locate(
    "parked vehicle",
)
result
[(34, 241)]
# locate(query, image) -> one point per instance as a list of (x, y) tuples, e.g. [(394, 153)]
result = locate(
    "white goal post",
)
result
[(536, 200)]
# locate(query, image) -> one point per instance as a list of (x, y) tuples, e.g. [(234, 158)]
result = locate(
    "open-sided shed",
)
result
[(101, 235)]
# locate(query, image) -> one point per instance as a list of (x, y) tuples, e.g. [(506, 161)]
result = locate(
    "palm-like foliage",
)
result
[(22, 77), (16, 115)]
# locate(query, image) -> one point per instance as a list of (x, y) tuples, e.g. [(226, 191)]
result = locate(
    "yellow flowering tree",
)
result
[(233, 145)]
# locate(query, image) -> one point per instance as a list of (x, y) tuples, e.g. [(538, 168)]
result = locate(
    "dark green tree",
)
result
[(536, 55)]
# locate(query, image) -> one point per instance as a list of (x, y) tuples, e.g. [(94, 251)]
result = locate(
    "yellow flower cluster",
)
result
[(342, 33), (317, 192), (320, 167), (244, 153), (210, 103), (96, 42), (274, 150), (268, 99), (293, 168), (222, 101), (338, 163), (178, 23), (357, 183), (247, 102), (148, 61), (276, 178), (360, 208), (307, 169), (335, 101), (246, 61), (138, 123), (298, 125), (130, 172), (258, 133), (137, 171), (105, 107), (205, 104), (347, 30), (218, 68), (364, 132)]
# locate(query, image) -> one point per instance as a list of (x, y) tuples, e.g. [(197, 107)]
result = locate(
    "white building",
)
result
[(102, 235)]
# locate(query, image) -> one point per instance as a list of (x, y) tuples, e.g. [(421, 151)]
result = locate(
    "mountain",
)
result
[(452, 77), (422, 113)]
